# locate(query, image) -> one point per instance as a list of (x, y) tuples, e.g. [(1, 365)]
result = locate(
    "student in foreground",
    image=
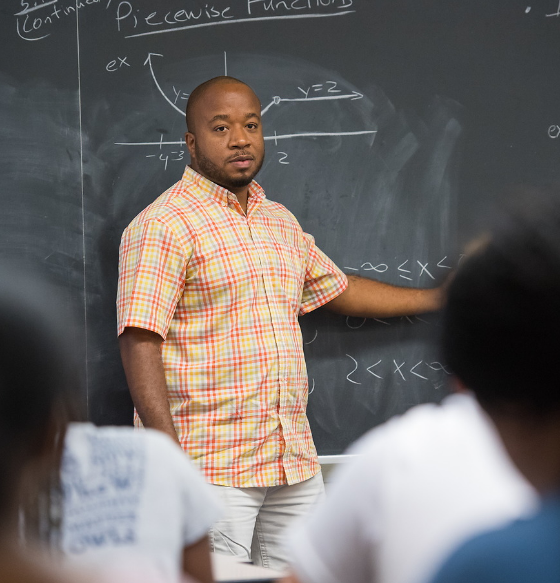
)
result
[(36, 381), (502, 340), (126, 507), (430, 480), (134, 498)]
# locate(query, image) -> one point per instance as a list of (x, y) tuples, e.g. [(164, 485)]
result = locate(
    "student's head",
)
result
[(224, 136), (501, 326), (38, 382)]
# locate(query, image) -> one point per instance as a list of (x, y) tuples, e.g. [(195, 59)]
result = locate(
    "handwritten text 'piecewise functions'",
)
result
[(135, 21)]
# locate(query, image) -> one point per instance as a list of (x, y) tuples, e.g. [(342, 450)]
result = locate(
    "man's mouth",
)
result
[(242, 161)]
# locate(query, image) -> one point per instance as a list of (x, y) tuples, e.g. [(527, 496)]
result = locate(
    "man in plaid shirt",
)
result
[(212, 279)]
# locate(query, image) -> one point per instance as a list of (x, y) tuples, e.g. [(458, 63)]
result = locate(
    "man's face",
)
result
[(226, 144)]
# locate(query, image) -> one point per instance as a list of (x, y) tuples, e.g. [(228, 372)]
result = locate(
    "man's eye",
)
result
[(220, 129), (252, 126)]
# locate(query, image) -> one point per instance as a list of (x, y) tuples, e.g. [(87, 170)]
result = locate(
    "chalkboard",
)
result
[(392, 129)]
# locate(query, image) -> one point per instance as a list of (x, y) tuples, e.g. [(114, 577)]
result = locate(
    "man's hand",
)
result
[(141, 357), (367, 298)]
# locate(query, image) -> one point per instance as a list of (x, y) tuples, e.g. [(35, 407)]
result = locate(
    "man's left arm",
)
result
[(367, 298)]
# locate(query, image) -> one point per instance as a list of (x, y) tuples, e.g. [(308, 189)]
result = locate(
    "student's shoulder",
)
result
[(500, 555), (87, 429), (423, 424), (86, 440), (152, 448), (406, 443), (524, 550)]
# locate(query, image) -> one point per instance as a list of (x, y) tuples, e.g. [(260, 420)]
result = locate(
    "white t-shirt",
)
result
[(422, 483), (131, 497)]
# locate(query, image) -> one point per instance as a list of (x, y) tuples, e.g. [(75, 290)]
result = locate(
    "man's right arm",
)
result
[(143, 366)]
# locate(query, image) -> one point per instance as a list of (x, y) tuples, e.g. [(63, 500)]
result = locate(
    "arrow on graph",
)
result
[(277, 100), (148, 62)]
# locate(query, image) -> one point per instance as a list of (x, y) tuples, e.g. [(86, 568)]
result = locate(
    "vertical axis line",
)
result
[(83, 205)]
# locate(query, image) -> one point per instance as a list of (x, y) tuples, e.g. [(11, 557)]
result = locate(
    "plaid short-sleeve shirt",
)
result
[(224, 290)]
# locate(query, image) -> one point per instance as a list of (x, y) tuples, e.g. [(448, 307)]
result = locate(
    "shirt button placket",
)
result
[(276, 328)]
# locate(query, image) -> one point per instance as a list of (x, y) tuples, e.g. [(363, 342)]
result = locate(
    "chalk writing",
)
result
[(148, 62), (350, 322), (116, 64), (34, 21), (176, 155), (179, 94), (554, 131), (557, 13), (385, 368), (328, 87), (313, 339), (424, 269), (272, 138), (405, 269), (372, 372), (353, 370), (135, 22), (325, 90), (312, 387)]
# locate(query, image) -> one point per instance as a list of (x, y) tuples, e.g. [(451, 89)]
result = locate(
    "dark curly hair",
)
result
[(501, 328)]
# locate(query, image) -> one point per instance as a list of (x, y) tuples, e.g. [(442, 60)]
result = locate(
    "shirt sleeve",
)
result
[(323, 279), (152, 271)]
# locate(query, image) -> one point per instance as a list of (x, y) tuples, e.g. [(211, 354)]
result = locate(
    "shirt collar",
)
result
[(218, 193)]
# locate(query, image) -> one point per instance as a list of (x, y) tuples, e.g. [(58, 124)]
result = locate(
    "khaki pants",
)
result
[(256, 519)]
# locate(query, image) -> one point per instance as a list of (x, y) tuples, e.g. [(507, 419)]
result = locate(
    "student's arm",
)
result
[(197, 562), (143, 366), (368, 298), (290, 578)]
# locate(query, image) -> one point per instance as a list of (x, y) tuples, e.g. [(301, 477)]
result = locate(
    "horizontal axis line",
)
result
[(266, 138)]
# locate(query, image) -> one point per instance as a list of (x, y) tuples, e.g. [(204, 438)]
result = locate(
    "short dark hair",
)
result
[(501, 325), (199, 92)]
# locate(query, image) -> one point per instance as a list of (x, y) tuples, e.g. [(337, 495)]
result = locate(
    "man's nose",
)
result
[(239, 138)]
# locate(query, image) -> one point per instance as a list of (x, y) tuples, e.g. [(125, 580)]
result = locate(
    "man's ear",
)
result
[(189, 141)]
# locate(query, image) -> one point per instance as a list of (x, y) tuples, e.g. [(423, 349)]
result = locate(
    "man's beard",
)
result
[(218, 176)]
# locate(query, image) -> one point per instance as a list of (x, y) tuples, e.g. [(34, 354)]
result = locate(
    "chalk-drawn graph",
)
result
[(325, 91)]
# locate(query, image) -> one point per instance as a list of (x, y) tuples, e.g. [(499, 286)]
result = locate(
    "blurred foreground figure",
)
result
[(420, 484), (39, 386), (430, 480), (502, 339), (37, 379), (133, 497)]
